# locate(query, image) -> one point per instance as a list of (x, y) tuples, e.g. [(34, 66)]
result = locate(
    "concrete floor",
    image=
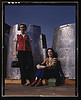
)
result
[(64, 90)]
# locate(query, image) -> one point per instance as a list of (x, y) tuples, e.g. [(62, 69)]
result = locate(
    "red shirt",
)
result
[(23, 43)]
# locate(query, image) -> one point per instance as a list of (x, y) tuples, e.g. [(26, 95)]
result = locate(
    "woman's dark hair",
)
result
[(24, 25), (54, 53)]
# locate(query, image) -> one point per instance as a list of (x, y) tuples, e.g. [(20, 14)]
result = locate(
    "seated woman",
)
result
[(44, 69)]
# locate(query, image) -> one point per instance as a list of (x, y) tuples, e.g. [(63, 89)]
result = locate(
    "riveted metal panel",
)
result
[(12, 73), (64, 45), (39, 52)]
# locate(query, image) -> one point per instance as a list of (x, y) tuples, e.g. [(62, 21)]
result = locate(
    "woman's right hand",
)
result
[(15, 57), (40, 66)]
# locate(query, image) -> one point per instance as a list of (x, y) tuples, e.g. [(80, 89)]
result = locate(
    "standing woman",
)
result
[(23, 46)]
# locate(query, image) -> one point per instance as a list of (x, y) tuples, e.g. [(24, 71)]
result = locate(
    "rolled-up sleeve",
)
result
[(44, 61), (54, 62)]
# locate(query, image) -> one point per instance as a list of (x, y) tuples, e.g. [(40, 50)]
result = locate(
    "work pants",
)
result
[(26, 65)]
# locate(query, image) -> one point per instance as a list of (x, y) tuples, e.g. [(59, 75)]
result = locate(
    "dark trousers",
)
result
[(39, 73), (51, 73), (26, 65), (46, 73)]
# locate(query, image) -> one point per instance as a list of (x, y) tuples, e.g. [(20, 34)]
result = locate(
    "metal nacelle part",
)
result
[(64, 45)]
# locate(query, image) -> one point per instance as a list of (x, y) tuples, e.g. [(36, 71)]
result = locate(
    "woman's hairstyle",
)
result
[(24, 25), (54, 53)]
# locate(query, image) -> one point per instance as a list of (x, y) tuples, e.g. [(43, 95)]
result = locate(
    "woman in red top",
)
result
[(23, 46)]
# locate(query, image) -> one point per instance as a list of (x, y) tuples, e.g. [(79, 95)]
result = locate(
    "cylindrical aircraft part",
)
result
[(64, 45)]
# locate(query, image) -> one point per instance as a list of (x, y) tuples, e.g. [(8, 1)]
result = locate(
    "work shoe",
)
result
[(26, 84)]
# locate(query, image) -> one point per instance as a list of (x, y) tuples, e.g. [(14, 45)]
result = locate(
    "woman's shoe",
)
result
[(39, 84), (34, 83)]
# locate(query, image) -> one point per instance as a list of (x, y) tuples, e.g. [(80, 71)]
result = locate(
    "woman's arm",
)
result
[(40, 66), (15, 56)]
